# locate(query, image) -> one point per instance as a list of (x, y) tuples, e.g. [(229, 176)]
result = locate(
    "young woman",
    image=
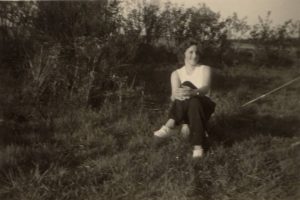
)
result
[(190, 95)]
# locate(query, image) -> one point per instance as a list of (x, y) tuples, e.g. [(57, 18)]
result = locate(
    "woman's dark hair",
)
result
[(184, 46)]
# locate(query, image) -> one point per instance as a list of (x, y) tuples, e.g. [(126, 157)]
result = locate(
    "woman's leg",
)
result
[(178, 112), (176, 115), (199, 112), (170, 123)]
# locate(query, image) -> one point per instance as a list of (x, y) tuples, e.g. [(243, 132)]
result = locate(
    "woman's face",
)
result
[(191, 55)]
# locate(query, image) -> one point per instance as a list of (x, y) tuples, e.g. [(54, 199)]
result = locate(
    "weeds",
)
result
[(110, 154)]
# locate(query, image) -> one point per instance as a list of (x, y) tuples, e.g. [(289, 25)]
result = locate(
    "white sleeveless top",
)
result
[(200, 77)]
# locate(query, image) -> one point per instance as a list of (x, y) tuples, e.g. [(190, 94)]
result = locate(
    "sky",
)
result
[(281, 10)]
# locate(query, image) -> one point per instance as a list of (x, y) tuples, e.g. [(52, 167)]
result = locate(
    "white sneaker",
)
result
[(198, 152), (185, 130), (164, 132)]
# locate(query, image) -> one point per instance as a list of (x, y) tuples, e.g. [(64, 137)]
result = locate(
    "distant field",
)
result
[(252, 153)]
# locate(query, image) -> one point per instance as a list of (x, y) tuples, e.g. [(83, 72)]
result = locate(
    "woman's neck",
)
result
[(188, 66), (189, 69)]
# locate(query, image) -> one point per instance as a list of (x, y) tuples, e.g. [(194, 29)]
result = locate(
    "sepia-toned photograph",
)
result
[(150, 100)]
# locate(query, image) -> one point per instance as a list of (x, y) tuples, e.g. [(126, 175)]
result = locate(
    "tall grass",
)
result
[(110, 153)]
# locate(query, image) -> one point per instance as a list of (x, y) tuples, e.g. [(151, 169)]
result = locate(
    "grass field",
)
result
[(253, 153)]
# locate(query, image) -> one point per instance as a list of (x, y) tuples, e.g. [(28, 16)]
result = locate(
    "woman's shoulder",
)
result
[(178, 70), (177, 73), (205, 67), (174, 72)]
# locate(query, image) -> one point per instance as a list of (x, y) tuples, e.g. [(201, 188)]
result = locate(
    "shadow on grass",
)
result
[(23, 133), (231, 129), (228, 130), (25, 146)]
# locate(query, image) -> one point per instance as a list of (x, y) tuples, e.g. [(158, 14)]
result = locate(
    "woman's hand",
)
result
[(184, 93)]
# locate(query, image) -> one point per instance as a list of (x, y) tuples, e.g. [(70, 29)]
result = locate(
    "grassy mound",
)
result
[(110, 154)]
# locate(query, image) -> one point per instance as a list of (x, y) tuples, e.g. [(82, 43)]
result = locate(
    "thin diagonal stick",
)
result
[(266, 94)]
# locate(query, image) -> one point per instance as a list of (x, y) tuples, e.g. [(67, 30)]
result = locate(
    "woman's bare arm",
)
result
[(207, 82), (177, 92)]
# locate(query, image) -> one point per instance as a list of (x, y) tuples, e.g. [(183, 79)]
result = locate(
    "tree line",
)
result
[(62, 54)]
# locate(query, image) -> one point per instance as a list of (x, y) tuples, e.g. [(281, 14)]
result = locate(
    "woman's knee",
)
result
[(194, 103)]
